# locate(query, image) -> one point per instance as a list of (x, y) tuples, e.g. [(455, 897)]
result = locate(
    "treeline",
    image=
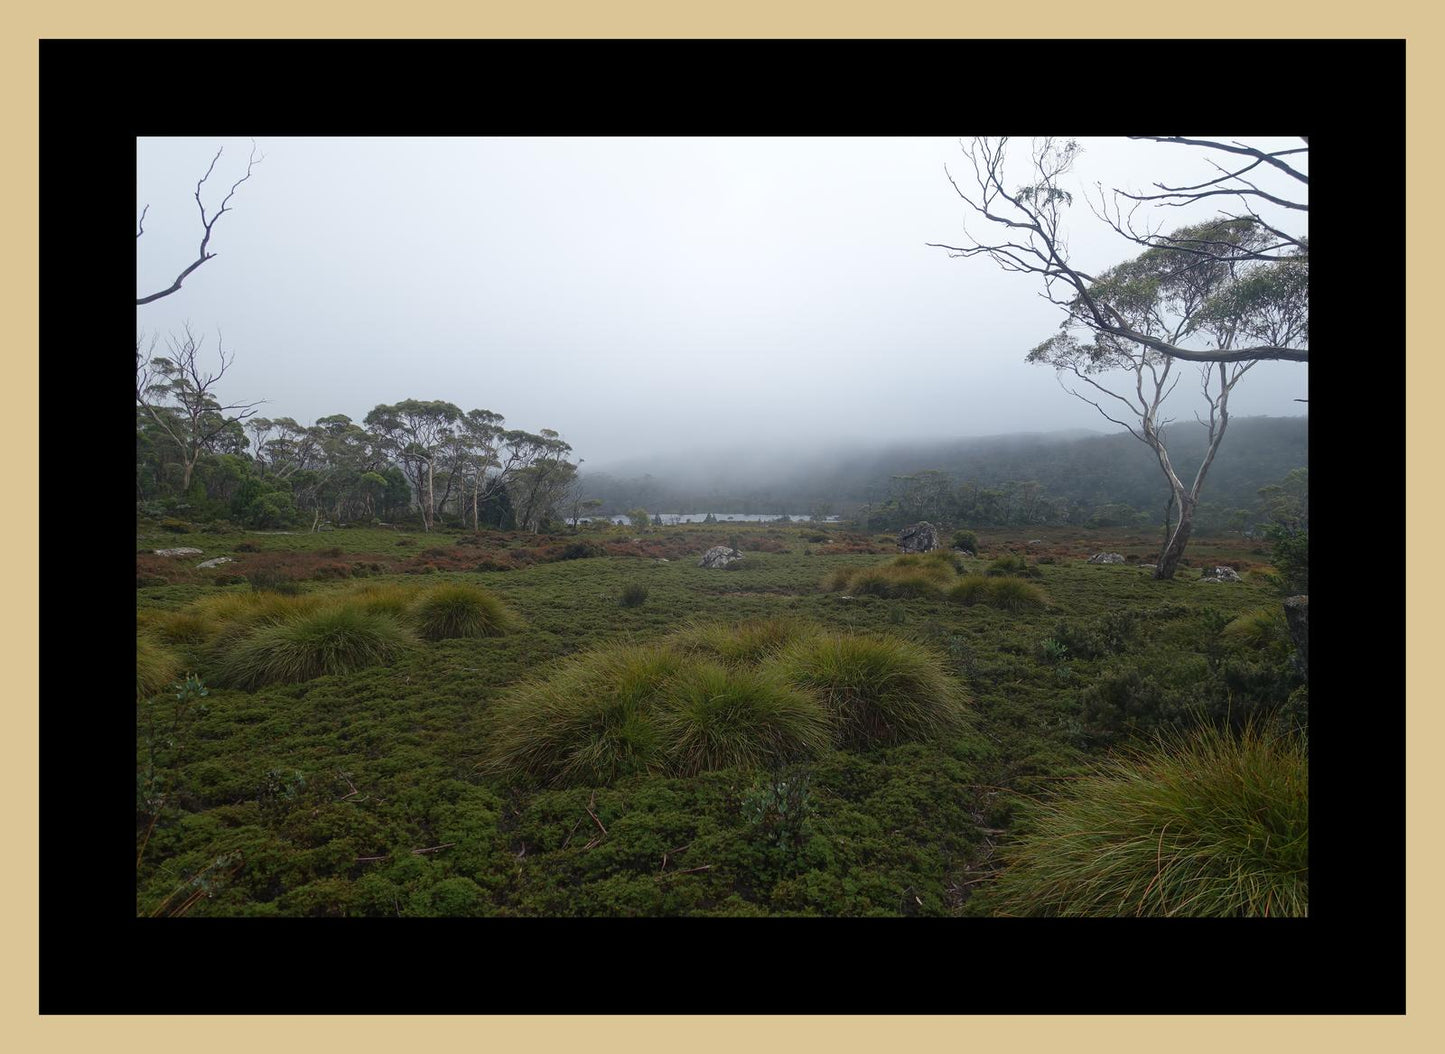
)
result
[(421, 461)]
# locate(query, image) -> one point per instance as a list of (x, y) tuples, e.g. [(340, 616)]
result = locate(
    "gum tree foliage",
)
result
[(543, 480), (1223, 293), (416, 432)]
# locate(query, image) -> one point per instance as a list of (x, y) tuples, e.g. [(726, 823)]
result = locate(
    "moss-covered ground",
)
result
[(364, 793)]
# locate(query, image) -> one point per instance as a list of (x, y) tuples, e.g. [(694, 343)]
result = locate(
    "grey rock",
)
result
[(918, 538), (719, 556), (1219, 574), (184, 551), (1106, 558), (217, 562)]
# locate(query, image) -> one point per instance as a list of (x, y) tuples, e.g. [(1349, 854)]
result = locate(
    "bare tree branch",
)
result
[(208, 223)]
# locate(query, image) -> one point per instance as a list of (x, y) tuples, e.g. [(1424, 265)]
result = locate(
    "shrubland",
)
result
[(830, 729)]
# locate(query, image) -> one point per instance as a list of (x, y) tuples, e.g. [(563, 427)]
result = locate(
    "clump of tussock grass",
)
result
[(461, 610), (249, 609), (877, 689), (1007, 593), (1204, 824), (715, 717), (328, 640), (591, 720), (189, 625), (744, 643), (909, 575), (383, 599), (156, 667), (1263, 629)]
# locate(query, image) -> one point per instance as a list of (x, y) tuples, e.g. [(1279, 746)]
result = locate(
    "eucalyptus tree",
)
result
[(178, 393), (1172, 296), (542, 475), (417, 433), (1224, 293), (1025, 233)]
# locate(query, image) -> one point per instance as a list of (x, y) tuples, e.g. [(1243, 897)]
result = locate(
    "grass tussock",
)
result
[(757, 693), (384, 599), (461, 610), (877, 689), (1210, 824), (156, 668), (715, 717), (328, 640), (744, 643), (252, 609), (1006, 593), (1259, 628), (590, 721), (909, 575)]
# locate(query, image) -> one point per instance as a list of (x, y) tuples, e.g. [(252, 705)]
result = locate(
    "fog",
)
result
[(640, 296)]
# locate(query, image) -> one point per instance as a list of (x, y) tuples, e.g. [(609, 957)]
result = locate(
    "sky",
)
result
[(632, 294)]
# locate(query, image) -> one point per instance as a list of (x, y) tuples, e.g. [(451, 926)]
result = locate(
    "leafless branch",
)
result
[(208, 223), (1236, 148)]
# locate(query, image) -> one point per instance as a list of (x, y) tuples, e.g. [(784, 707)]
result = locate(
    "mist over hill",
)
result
[(1065, 476)]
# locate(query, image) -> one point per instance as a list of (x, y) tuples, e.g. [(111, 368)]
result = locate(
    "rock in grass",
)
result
[(918, 538), (1219, 574), (217, 562), (1106, 558), (183, 551), (719, 556)]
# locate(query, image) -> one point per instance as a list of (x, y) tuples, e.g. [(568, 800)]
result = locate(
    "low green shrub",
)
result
[(461, 610), (966, 540), (329, 640), (1212, 824), (269, 580), (633, 595), (1012, 565)]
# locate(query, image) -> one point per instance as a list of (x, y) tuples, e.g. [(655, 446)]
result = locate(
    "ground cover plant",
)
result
[(406, 786)]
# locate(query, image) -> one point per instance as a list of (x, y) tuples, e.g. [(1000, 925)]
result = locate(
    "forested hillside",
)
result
[(1056, 478)]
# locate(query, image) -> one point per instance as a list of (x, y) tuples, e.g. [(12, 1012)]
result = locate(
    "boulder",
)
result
[(1106, 558), (185, 551), (217, 562), (918, 538), (1219, 574), (719, 556)]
